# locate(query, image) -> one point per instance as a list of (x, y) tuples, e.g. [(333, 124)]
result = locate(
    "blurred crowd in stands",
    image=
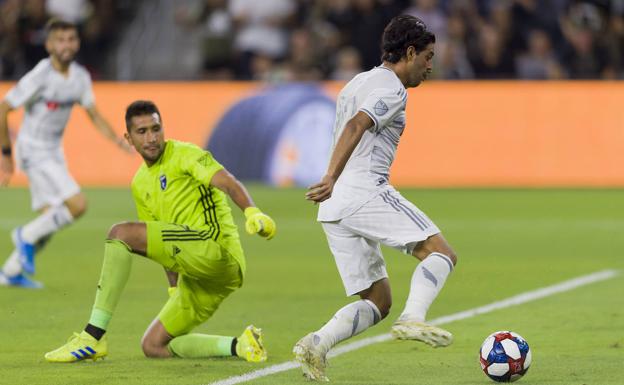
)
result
[(276, 40), (22, 31)]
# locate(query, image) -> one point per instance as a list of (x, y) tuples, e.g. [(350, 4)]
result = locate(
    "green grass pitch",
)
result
[(508, 242)]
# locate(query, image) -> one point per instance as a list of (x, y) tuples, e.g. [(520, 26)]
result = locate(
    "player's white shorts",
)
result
[(387, 219), (50, 181)]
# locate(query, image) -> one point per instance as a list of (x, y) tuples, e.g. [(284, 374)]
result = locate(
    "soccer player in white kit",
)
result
[(359, 210), (47, 93)]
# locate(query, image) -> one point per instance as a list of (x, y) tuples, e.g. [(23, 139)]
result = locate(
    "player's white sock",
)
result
[(427, 281), (12, 266), (47, 223), (347, 322)]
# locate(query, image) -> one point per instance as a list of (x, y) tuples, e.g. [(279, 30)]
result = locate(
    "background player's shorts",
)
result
[(355, 240), (48, 177), (207, 274)]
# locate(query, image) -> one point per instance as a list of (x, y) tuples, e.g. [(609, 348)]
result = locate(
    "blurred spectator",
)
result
[(9, 42), (540, 62), (585, 56), (261, 30), (31, 29), (215, 22), (492, 60), (74, 11), (348, 64), (431, 14)]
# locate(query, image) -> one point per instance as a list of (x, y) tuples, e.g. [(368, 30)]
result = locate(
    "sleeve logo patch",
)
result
[(380, 108)]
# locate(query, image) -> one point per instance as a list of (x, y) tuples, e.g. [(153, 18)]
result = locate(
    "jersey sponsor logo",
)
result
[(380, 108), (163, 182), (55, 105)]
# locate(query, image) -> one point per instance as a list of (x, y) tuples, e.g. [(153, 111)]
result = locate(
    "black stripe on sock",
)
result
[(95, 331), (233, 347)]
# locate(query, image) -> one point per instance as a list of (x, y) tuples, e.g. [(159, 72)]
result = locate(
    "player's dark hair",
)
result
[(55, 24), (400, 33), (138, 108)]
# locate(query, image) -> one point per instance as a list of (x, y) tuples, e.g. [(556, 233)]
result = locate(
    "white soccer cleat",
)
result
[(420, 331), (311, 358)]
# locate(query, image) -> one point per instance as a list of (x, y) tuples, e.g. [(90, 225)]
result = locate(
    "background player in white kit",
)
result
[(360, 210), (47, 93)]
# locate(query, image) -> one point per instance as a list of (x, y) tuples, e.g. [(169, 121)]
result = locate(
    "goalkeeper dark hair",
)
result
[(402, 32), (138, 108)]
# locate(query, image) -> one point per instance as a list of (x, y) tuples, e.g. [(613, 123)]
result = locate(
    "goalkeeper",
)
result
[(186, 226)]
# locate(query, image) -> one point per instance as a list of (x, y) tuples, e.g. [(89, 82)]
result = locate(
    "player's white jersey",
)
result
[(380, 94), (48, 97)]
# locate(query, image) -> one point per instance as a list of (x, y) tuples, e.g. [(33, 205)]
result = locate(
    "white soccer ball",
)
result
[(505, 356)]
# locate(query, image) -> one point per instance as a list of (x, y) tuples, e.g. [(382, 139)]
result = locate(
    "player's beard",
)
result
[(65, 57), (153, 156)]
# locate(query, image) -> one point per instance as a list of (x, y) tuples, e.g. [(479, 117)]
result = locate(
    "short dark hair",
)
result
[(400, 33), (138, 108), (55, 24)]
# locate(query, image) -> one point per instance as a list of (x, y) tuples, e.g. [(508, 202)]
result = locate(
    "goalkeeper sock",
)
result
[(201, 345), (427, 281), (47, 223), (115, 272), (348, 322)]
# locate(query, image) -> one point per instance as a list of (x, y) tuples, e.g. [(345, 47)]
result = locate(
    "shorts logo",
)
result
[(380, 108), (163, 182)]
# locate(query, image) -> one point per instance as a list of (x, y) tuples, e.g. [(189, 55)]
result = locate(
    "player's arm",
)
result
[(105, 128), (349, 139), (257, 221), (6, 160)]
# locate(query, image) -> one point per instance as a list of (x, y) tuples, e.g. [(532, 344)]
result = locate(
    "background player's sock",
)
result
[(47, 223), (201, 345), (12, 266), (115, 272), (427, 281), (347, 322)]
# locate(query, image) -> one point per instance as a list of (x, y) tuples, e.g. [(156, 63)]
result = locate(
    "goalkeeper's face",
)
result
[(146, 135)]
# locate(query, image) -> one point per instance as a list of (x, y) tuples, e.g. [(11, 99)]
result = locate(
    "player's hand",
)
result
[(259, 223), (6, 169), (322, 190)]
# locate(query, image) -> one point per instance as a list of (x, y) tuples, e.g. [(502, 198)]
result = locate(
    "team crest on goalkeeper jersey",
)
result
[(380, 108), (163, 182)]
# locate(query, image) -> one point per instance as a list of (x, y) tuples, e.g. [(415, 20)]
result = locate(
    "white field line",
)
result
[(511, 301)]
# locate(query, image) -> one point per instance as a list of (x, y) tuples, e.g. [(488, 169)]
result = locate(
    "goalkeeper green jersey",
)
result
[(176, 189)]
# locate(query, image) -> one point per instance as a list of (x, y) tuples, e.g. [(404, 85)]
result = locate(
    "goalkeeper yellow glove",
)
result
[(260, 223), (171, 290)]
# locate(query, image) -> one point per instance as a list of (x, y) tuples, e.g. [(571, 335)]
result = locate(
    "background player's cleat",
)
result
[(79, 347), (250, 346), (26, 251), (420, 331), (311, 358), (19, 280)]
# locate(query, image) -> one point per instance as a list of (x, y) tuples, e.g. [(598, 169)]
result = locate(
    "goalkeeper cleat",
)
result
[(79, 347), (249, 345), (311, 358), (19, 280), (26, 251), (420, 331)]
